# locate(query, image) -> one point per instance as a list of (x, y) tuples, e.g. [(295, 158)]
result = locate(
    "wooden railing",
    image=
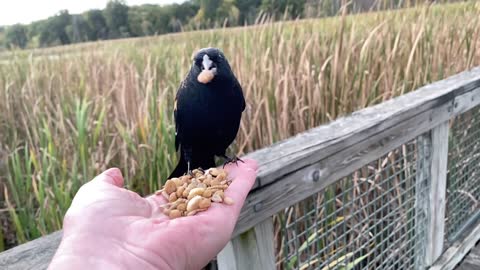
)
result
[(297, 168)]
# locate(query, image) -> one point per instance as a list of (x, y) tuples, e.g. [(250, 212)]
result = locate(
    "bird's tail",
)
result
[(182, 166)]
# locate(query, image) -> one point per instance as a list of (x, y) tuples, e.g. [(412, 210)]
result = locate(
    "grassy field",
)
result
[(68, 113)]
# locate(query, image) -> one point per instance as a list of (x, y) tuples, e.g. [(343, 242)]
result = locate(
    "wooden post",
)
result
[(432, 168), (422, 188), (251, 250)]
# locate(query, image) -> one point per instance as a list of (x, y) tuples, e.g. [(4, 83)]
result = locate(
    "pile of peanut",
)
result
[(190, 194)]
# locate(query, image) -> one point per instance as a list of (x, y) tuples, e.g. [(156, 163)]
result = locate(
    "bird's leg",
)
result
[(235, 160), (188, 168), (187, 154)]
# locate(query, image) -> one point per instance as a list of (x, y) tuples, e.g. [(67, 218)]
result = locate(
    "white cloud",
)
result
[(26, 11)]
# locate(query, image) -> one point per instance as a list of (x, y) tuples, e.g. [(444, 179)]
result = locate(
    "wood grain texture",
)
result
[(292, 170), (437, 193), (251, 250), (35, 254), (226, 258), (472, 260), (422, 190), (318, 143), (457, 251)]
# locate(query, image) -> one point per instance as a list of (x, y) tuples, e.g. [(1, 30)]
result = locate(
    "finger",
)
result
[(156, 201), (243, 176), (246, 162), (111, 176)]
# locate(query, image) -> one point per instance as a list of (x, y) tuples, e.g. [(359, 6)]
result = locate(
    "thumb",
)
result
[(111, 176)]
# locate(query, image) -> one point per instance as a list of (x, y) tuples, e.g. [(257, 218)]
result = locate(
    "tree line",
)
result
[(118, 20)]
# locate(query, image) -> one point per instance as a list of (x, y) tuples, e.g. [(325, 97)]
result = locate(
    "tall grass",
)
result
[(66, 117)]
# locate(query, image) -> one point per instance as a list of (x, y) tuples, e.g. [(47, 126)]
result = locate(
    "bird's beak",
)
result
[(208, 72)]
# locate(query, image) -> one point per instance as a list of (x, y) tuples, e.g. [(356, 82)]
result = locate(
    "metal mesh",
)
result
[(364, 221), (463, 180)]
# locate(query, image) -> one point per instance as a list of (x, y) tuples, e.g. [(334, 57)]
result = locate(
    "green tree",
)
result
[(215, 13), (16, 36), (277, 8), (206, 15), (116, 16), (78, 30), (179, 15), (248, 10), (53, 30), (228, 13), (98, 25)]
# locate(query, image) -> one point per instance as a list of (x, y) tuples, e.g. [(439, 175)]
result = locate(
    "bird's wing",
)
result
[(238, 88), (175, 114), (177, 143)]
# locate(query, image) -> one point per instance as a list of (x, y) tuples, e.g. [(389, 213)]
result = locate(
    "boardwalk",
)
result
[(392, 186), (472, 261)]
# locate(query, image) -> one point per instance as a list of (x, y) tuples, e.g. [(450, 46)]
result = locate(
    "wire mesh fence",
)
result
[(463, 179), (364, 221)]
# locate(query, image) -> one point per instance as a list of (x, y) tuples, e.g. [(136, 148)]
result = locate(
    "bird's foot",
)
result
[(229, 160)]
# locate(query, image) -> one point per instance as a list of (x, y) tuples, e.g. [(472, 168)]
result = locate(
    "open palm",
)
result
[(109, 227)]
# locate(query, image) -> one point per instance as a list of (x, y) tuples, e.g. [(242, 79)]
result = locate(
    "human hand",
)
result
[(109, 227)]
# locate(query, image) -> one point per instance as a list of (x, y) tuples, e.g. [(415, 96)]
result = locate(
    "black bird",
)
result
[(208, 108)]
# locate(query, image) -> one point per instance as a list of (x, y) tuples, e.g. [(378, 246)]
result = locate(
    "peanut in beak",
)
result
[(205, 76)]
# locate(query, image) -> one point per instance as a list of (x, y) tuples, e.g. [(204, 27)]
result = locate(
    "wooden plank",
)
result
[(264, 233), (314, 145), (457, 251), (251, 250), (321, 156), (466, 101), (437, 194), (36, 254), (226, 258), (306, 181), (422, 190), (472, 260)]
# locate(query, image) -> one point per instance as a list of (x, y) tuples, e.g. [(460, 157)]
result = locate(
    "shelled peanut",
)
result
[(191, 194)]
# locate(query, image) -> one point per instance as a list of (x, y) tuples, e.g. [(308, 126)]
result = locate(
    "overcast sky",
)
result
[(26, 11)]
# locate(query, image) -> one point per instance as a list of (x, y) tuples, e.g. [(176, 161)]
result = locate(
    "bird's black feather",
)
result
[(207, 115)]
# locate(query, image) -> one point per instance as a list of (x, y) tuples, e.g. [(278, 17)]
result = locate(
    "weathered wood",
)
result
[(251, 250), (35, 254), (472, 260), (422, 188), (437, 193), (306, 181), (304, 149), (466, 101), (296, 168), (322, 155), (457, 251), (226, 258)]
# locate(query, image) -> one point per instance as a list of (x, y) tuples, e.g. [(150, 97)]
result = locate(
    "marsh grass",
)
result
[(69, 113)]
